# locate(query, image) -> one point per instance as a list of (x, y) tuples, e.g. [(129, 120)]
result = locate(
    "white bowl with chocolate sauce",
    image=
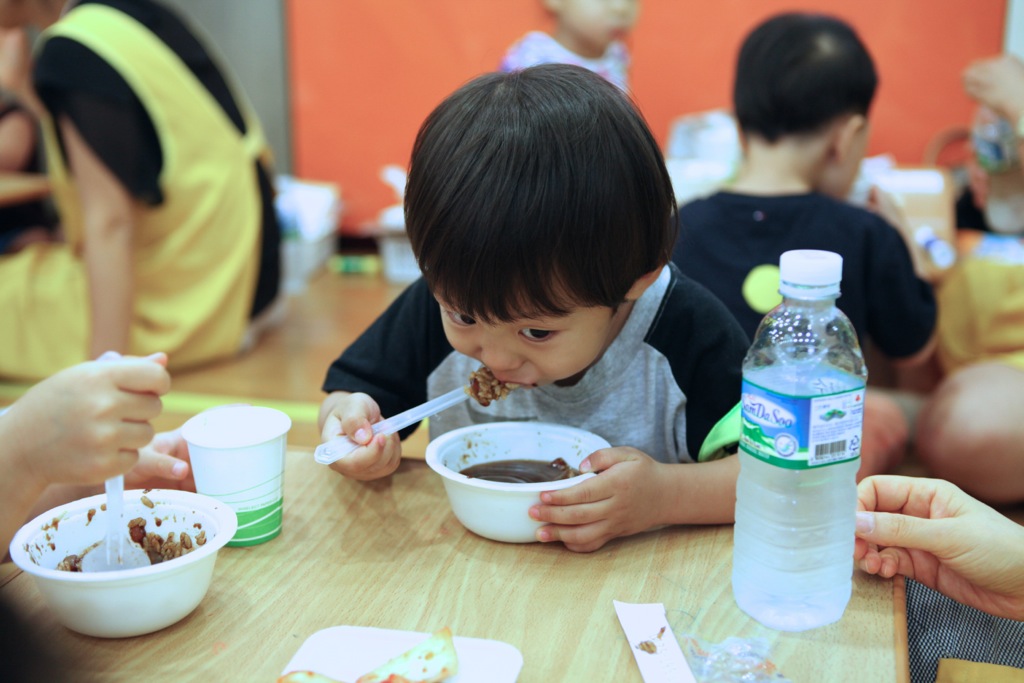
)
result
[(128, 602), (493, 473)]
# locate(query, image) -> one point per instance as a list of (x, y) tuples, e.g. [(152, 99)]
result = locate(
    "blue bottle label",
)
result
[(801, 432), (995, 146)]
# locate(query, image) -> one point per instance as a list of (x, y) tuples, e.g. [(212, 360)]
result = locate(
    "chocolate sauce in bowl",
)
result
[(521, 471)]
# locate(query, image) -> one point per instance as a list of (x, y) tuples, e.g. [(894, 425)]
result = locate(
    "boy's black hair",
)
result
[(797, 72), (535, 192)]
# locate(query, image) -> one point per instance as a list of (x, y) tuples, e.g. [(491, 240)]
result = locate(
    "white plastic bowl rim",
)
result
[(494, 429), (225, 517)]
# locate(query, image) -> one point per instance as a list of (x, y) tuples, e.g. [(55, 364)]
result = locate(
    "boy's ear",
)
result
[(846, 133), (642, 283)]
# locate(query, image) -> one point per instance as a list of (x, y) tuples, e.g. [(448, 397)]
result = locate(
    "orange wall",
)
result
[(364, 73)]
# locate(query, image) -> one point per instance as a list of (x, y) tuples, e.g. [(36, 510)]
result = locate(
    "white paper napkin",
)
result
[(653, 644)]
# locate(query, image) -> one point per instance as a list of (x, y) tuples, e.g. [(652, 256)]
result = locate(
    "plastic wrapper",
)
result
[(744, 660)]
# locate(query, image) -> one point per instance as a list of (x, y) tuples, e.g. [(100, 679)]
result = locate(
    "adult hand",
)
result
[(85, 424), (624, 499), (931, 531), (999, 83)]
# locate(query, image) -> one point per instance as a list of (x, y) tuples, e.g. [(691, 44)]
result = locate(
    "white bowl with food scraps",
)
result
[(183, 532), (493, 473)]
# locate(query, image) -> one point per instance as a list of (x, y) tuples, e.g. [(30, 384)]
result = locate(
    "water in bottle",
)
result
[(796, 498)]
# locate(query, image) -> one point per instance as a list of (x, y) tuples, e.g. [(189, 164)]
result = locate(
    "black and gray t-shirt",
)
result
[(670, 376)]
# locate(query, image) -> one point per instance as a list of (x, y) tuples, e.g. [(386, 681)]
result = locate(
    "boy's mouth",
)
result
[(523, 385)]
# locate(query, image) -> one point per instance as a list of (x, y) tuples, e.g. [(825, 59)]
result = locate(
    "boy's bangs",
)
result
[(537, 193), (497, 280), (531, 228)]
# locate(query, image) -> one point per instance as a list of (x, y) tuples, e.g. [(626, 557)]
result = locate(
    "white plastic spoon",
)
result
[(113, 554), (338, 448)]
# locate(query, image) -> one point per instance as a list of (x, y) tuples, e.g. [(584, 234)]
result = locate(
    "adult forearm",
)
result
[(111, 276), (110, 217), (19, 486)]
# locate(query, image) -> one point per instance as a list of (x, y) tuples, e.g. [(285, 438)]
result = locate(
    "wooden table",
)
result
[(390, 554), (16, 188)]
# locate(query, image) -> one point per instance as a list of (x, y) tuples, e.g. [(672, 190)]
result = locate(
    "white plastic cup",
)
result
[(237, 455)]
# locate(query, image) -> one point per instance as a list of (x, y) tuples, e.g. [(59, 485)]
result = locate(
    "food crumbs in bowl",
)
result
[(158, 548)]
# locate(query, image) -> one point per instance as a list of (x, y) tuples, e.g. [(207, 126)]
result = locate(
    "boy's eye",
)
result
[(536, 335), (461, 318)]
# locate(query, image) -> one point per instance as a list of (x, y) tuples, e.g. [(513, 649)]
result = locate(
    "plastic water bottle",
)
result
[(803, 410), (994, 141), (996, 149)]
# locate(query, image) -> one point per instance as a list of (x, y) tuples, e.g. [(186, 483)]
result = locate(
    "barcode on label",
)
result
[(825, 452), (827, 449)]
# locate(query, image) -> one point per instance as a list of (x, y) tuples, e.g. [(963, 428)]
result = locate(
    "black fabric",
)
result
[(268, 282), (939, 627), (725, 236), (695, 312), (74, 82), (968, 215)]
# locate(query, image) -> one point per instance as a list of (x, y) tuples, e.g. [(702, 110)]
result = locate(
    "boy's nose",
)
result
[(500, 362)]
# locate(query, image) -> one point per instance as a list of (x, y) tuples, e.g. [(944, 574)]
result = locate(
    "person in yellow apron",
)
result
[(157, 170), (971, 430)]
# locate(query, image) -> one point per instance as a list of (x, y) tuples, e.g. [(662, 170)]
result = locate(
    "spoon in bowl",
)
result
[(113, 554)]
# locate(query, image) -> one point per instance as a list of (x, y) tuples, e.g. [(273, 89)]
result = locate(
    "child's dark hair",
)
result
[(534, 192), (797, 72)]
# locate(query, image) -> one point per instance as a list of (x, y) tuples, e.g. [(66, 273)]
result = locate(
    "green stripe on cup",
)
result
[(258, 526)]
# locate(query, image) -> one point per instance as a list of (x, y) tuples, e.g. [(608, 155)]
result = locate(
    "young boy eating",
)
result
[(542, 217)]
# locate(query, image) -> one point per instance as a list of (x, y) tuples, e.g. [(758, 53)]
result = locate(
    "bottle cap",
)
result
[(810, 273)]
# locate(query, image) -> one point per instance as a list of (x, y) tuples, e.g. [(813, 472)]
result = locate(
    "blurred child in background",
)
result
[(994, 199), (588, 33), (804, 84), (971, 428), (29, 221)]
